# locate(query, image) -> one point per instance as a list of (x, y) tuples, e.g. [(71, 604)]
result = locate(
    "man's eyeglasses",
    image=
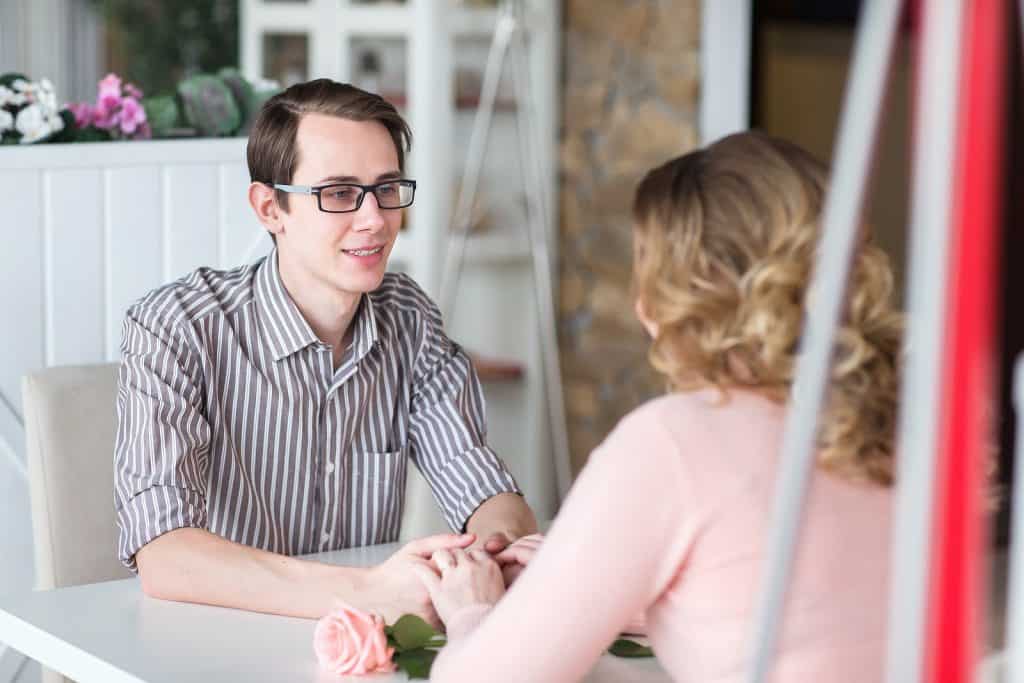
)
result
[(347, 197)]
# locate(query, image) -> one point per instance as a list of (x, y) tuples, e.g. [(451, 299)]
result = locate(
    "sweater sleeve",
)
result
[(617, 543)]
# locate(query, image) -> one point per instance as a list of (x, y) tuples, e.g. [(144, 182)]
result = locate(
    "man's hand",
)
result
[(514, 558), (500, 520), (495, 543), (393, 587)]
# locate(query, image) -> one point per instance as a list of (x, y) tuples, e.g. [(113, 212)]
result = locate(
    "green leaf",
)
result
[(629, 648), (416, 663), (162, 114), (8, 78), (69, 132), (209, 106), (411, 632)]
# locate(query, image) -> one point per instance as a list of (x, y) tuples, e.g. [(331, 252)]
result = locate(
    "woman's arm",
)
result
[(616, 544)]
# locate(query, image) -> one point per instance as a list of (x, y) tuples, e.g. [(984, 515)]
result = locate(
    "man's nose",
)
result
[(369, 216)]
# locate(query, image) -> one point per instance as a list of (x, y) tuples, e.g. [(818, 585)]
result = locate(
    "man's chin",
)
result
[(363, 284)]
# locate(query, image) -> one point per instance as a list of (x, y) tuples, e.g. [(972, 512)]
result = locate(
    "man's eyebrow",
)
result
[(390, 175)]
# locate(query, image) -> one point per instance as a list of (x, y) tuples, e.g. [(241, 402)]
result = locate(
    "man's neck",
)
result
[(328, 311)]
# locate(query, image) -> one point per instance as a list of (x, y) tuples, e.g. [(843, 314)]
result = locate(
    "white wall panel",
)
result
[(134, 218), (191, 205), (73, 235), (21, 281), (243, 239), (87, 229)]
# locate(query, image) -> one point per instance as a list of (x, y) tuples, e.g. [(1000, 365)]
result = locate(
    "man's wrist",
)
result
[(505, 513)]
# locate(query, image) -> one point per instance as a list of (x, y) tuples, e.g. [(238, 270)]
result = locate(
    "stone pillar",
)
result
[(631, 88)]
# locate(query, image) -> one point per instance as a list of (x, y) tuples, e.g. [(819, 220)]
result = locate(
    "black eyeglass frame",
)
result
[(317, 189)]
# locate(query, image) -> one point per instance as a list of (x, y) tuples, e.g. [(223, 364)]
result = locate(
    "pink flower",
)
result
[(83, 114), (131, 91), (132, 115), (105, 113), (110, 86), (348, 641)]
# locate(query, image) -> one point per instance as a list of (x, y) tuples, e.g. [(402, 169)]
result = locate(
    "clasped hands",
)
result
[(437, 576)]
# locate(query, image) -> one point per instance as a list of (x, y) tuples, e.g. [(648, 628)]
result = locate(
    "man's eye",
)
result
[(342, 193), (388, 189)]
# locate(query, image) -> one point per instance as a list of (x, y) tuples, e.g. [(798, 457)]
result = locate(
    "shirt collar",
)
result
[(287, 330), (365, 333)]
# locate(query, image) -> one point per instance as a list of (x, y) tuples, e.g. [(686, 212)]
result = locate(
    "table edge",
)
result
[(57, 654)]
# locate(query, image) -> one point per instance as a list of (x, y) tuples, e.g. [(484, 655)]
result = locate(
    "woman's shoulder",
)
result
[(701, 407), (696, 426)]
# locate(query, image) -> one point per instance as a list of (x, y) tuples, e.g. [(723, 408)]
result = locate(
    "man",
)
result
[(270, 411)]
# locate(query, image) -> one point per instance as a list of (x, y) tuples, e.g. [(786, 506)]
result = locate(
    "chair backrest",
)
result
[(70, 425)]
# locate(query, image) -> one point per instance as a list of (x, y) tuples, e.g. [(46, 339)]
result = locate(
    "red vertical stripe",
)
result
[(954, 624)]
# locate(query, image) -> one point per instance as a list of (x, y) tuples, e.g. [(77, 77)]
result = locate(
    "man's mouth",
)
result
[(364, 252)]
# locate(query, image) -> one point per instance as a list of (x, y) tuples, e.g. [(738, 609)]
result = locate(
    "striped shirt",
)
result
[(232, 418)]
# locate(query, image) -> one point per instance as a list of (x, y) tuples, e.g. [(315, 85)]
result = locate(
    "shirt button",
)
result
[(330, 468)]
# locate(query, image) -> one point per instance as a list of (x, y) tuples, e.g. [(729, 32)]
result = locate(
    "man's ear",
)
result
[(263, 200)]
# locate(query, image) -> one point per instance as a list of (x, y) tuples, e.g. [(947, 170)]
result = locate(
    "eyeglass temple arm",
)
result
[(298, 189)]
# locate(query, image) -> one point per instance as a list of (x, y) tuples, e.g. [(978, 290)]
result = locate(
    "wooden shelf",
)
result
[(495, 369)]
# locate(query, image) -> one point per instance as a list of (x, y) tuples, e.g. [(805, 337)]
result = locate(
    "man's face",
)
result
[(323, 245)]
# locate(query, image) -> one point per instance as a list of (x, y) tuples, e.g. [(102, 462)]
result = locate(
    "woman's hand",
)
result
[(392, 589), (514, 558), (463, 579)]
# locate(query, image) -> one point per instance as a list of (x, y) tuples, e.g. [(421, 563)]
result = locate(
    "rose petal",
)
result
[(349, 641)]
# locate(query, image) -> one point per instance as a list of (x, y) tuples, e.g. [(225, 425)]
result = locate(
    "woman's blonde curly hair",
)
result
[(725, 240)]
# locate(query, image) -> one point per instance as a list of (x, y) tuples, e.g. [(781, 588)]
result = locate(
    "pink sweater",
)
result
[(669, 518)]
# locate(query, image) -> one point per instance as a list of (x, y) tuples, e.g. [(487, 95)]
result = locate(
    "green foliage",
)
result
[(7, 79), (629, 648), (163, 115), (411, 632), (157, 43), (415, 642), (416, 663), (209, 106)]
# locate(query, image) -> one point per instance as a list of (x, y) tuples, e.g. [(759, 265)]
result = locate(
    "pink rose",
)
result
[(348, 641)]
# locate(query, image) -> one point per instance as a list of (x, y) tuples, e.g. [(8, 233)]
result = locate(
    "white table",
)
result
[(111, 632)]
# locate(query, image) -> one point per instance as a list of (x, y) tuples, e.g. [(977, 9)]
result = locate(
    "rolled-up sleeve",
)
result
[(448, 433), (163, 436)]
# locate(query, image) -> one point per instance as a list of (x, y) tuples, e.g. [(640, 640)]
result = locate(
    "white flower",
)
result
[(48, 101), (31, 124), (20, 85), (5, 95), (46, 85), (55, 123), (17, 99), (6, 120)]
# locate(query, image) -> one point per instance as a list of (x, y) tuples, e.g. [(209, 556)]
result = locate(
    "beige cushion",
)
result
[(70, 423)]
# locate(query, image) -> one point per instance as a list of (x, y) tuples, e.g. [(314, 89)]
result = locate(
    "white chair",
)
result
[(70, 423)]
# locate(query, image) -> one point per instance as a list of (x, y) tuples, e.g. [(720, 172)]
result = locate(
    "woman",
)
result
[(670, 515)]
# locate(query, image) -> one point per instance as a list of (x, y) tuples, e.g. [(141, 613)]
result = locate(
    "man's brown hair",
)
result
[(272, 153)]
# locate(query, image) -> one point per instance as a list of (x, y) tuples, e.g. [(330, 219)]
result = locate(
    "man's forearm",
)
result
[(505, 513), (194, 565)]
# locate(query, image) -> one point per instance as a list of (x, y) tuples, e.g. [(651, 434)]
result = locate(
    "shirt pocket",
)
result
[(378, 494)]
